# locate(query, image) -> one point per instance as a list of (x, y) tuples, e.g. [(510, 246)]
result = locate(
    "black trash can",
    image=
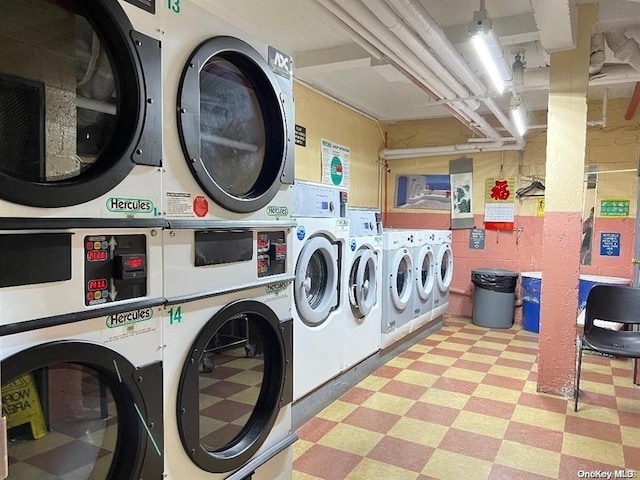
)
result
[(494, 297)]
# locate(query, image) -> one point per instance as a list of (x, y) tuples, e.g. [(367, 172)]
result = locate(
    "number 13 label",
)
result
[(174, 5)]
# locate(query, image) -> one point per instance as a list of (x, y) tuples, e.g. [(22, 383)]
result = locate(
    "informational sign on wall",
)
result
[(499, 203), (614, 207), (477, 239), (540, 207), (610, 244), (335, 164), (301, 135)]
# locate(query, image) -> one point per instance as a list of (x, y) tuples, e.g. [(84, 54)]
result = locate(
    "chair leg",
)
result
[(577, 392), (635, 371)]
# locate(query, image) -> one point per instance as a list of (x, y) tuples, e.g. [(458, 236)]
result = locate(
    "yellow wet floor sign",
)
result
[(21, 404)]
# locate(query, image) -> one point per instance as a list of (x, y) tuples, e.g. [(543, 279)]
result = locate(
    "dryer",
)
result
[(80, 112), (319, 250), (228, 376), (424, 263), (364, 285), (229, 122), (84, 399), (444, 272), (397, 284)]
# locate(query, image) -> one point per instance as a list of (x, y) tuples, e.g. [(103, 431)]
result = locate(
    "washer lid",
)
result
[(232, 124), (317, 278), (401, 282), (234, 381), (363, 284), (425, 271), (106, 412), (80, 106)]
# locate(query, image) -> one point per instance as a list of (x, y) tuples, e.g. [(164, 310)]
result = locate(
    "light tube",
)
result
[(518, 118)]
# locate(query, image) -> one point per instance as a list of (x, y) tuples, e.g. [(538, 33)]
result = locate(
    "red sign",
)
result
[(500, 190), (200, 206)]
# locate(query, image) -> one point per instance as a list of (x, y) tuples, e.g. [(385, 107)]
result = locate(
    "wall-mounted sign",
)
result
[(540, 207), (609, 244), (301, 135), (614, 207), (335, 164), (476, 239), (499, 203)]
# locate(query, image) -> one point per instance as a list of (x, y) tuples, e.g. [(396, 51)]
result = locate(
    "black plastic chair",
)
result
[(615, 304)]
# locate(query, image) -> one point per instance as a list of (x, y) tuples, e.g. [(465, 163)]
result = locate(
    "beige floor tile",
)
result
[(510, 372), (521, 343), (449, 465), (630, 436), (418, 431), (481, 424), (491, 345), (416, 378), (445, 398), (530, 459), (596, 413), (593, 449), (369, 469), (300, 447), (477, 357), (337, 411), (373, 383), (400, 362), (628, 404), (538, 417), (348, 438), (464, 374), (304, 476), (438, 359), (521, 357), (388, 403), (469, 336), (420, 348), (497, 393), (459, 347), (597, 387)]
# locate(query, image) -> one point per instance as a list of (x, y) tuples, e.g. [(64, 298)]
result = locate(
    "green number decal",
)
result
[(175, 316), (174, 5)]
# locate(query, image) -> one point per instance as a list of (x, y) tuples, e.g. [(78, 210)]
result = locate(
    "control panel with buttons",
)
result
[(115, 268)]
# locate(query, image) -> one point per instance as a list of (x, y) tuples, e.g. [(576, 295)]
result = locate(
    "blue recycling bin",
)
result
[(531, 283)]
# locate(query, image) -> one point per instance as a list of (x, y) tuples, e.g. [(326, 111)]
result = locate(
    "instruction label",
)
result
[(609, 244), (179, 204), (614, 207), (128, 324), (477, 239)]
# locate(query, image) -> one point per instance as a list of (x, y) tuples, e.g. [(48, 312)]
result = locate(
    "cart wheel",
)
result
[(207, 365)]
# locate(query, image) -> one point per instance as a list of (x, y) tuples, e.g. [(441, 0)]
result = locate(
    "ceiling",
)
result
[(327, 58)]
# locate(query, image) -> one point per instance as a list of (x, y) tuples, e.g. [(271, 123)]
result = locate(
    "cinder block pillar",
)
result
[(566, 144)]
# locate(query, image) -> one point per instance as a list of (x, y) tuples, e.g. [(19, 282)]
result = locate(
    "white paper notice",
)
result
[(499, 212)]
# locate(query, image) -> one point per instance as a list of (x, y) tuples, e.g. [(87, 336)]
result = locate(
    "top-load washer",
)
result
[(319, 314), (364, 285), (228, 123), (80, 112), (424, 263), (444, 271), (397, 285)]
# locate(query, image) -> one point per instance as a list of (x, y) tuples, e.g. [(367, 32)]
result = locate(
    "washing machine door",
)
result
[(425, 271), (79, 101), (81, 410), (234, 381), (233, 125), (444, 267), (401, 278), (317, 278), (362, 282)]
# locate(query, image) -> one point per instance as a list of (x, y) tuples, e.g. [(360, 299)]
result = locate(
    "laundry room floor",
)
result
[(462, 403)]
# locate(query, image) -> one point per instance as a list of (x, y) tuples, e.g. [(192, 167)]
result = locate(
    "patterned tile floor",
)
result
[(463, 404)]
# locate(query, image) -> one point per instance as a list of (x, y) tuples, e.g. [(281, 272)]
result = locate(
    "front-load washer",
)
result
[(444, 272), (424, 264), (319, 315), (397, 285), (80, 111), (55, 276), (229, 135), (364, 286), (228, 377), (84, 399)]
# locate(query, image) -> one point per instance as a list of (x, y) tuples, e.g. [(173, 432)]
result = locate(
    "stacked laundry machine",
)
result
[(81, 239)]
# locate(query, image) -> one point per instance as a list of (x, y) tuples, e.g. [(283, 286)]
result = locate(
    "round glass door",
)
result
[(445, 270), (231, 386), (232, 124), (425, 272), (362, 283), (74, 411), (402, 279), (71, 99)]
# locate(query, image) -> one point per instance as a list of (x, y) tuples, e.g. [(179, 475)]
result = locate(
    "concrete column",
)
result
[(566, 145)]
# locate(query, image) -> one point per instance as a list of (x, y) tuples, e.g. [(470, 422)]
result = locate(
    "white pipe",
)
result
[(395, 48), (626, 49), (402, 153), (605, 102), (391, 20), (538, 78), (596, 61)]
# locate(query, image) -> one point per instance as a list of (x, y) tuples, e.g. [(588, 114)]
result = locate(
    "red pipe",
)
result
[(633, 104)]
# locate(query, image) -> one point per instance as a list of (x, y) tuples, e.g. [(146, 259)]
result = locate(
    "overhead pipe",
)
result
[(422, 22), (605, 109), (596, 61), (538, 78), (373, 46), (394, 47), (403, 153), (626, 49)]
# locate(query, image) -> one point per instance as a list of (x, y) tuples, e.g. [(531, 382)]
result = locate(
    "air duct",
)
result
[(625, 49)]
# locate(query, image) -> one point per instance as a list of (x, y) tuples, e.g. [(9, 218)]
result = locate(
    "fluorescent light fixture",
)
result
[(489, 49), (517, 113)]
